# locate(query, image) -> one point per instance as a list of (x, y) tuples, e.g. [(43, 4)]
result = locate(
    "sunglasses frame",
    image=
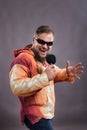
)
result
[(42, 42)]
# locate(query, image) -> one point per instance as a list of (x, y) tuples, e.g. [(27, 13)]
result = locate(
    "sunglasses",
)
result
[(42, 42)]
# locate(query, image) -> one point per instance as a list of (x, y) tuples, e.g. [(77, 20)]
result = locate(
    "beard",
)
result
[(38, 57)]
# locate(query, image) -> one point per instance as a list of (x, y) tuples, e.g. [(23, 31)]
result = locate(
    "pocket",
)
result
[(41, 97)]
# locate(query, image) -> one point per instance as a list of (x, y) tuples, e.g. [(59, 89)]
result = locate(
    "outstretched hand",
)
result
[(75, 70)]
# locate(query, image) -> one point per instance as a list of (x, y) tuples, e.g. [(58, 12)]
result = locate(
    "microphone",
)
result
[(51, 59)]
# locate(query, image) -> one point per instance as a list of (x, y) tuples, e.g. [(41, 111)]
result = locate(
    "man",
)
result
[(32, 80)]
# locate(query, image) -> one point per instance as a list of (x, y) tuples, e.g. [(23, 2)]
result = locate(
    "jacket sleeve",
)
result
[(61, 75), (22, 85)]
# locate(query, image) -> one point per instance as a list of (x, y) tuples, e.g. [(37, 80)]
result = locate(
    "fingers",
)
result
[(77, 76), (50, 70), (78, 64), (75, 70), (79, 68)]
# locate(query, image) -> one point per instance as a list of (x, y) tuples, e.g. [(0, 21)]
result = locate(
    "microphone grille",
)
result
[(51, 59)]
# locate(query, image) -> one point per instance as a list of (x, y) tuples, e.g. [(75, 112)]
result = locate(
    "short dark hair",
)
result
[(44, 29)]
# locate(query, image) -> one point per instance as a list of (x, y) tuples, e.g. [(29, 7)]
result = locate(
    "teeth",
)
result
[(43, 50)]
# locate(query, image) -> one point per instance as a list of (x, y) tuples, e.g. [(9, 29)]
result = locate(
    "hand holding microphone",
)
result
[(72, 71), (50, 70)]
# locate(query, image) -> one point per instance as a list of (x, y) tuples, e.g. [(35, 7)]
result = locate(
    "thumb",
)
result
[(67, 64)]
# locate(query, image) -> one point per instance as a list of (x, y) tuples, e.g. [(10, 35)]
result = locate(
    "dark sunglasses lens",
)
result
[(49, 43), (43, 42), (40, 41)]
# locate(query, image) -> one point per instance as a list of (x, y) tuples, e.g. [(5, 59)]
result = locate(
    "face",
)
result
[(43, 48)]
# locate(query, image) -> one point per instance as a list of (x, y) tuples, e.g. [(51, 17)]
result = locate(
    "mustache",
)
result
[(43, 48)]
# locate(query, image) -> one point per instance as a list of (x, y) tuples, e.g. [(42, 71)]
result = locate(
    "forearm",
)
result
[(22, 85), (61, 75)]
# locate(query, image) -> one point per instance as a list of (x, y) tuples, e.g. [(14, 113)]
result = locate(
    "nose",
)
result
[(45, 45)]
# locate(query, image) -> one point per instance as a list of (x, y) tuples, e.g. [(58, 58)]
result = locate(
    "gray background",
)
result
[(68, 18)]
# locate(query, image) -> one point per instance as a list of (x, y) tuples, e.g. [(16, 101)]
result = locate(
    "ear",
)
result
[(33, 39)]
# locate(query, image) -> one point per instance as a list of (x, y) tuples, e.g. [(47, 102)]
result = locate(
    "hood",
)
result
[(27, 49)]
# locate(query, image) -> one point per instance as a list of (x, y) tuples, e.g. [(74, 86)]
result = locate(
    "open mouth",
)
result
[(43, 52)]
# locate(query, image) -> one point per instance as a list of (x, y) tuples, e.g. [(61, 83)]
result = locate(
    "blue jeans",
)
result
[(43, 124)]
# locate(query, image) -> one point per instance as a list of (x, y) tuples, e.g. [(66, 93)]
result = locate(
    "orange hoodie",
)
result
[(29, 81)]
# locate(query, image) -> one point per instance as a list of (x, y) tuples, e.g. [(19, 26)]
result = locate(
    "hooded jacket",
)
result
[(29, 81)]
